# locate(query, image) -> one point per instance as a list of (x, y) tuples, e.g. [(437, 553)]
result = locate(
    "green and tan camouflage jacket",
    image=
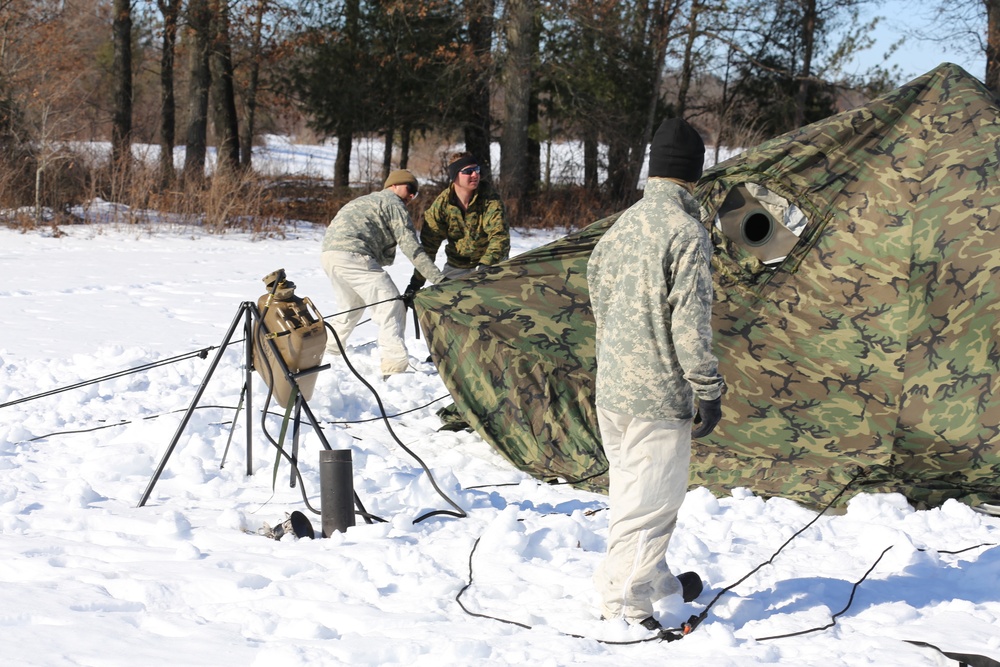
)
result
[(479, 235), (373, 225), (651, 290)]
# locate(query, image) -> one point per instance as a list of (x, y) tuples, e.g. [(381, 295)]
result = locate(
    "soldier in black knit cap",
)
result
[(651, 291)]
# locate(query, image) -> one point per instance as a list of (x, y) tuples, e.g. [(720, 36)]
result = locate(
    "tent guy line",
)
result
[(674, 634)]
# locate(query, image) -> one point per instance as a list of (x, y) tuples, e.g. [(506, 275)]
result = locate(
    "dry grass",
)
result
[(242, 201), (567, 207)]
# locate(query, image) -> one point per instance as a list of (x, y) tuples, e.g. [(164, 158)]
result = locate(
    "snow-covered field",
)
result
[(89, 578)]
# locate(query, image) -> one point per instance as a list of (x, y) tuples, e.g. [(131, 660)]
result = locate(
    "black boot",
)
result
[(651, 624), (691, 586)]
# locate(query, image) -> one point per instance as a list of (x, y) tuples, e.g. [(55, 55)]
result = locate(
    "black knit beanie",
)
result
[(459, 164), (677, 151)]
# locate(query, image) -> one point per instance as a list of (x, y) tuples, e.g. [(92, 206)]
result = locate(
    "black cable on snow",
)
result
[(459, 512), (673, 634), (666, 634)]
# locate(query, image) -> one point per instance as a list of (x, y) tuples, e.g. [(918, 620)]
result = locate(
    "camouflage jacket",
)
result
[(651, 289), (478, 235), (373, 225)]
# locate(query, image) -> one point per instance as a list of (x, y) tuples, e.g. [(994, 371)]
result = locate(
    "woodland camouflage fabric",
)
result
[(871, 353)]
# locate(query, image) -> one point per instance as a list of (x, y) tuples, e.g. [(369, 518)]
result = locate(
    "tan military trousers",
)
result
[(648, 474), (357, 281)]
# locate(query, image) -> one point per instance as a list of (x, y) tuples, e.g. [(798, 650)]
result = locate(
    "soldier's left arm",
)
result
[(690, 301), (406, 237), (497, 231)]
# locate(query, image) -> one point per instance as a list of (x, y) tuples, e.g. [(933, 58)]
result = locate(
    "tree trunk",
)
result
[(342, 165), (722, 111), (199, 22), (387, 152), (248, 128), (590, 166), (121, 125), (517, 97), (169, 9), (404, 147), (992, 79), (227, 135), (345, 131), (660, 21), (618, 169), (477, 108), (805, 75), (534, 176), (687, 66)]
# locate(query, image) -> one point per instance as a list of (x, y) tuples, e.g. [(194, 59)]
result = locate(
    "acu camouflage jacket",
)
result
[(651, 290), (479, 235), (373, 225)]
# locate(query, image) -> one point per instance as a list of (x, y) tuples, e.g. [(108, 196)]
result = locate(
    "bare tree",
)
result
[(993, 45), (199, 19), (479, 14), (170, 11), (783, 56), (648, 34), (121, 125), (345, 132), (809, 23), (253, 82), (661, 21), (47, 98), (224, 118), (265, 36), (970, 24), (687, 62), (521, 42)]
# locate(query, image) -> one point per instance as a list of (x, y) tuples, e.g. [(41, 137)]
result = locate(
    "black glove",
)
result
[(709, 414), (416, 282), (407, 297)]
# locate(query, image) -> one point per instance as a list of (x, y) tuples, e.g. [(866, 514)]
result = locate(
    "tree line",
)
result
[(523, 73)]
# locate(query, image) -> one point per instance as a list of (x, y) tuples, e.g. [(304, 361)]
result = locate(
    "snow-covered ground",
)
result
[(97, 373)]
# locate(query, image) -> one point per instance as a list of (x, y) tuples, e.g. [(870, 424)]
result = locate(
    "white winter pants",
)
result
[(648, 473), (358, 280)]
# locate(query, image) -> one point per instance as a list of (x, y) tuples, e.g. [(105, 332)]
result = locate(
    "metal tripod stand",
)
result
[(248, 314)]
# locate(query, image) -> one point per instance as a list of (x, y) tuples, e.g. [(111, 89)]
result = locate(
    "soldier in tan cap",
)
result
[(361, 239)]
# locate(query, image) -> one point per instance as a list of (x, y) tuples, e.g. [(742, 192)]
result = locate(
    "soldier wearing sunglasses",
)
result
[(469, 217)]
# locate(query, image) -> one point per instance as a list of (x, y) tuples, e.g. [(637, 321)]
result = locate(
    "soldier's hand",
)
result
[(408, 295), (708, 415)]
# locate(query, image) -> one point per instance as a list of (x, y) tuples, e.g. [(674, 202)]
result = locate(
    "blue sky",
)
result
[(914, 57)]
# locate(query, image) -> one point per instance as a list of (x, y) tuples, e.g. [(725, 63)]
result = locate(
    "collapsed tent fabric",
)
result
[(866, 344)]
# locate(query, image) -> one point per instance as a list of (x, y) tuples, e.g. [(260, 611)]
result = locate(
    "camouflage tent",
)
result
[(857, 277)]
